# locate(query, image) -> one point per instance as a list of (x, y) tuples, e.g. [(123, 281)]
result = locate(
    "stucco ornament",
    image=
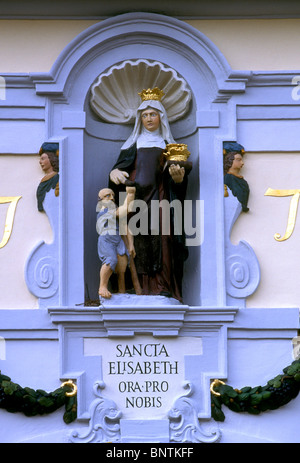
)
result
[(185, 425), (114, 95), (104, 423)]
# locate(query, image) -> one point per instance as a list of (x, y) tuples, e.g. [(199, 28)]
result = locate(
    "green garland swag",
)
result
[(277, 392), (14, 398)]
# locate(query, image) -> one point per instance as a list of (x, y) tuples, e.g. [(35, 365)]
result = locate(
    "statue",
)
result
[(50, 165), (233, 163), (112, 250), (159, 256)]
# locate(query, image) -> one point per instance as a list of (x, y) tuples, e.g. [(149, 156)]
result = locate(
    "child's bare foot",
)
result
[(104, 293)]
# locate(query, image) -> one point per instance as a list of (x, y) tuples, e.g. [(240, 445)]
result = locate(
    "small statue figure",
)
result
[(233, 163), (159, 257), (50, 165), (112, 250)]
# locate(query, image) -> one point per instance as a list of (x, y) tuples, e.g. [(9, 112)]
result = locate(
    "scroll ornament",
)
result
[(104, 423), (42, 270), (185, 425), (242, 266)]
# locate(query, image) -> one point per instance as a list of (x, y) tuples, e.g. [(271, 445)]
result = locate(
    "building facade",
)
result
[(147, 364)]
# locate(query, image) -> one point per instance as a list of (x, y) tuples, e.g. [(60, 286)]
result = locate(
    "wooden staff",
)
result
[(134, 275)]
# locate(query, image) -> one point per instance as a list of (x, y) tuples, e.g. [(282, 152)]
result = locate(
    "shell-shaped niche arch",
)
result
[(114, 94)]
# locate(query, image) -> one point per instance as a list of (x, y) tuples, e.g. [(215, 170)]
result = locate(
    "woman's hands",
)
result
[(118, 176), (177, 173)]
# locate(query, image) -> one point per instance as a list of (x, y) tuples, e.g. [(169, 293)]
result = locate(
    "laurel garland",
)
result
[(276, 393), (254, 400), (14, 398)]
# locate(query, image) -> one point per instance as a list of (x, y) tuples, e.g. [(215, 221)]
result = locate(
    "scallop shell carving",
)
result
[(114, 95)]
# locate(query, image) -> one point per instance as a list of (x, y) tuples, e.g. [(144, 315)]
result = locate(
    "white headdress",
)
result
[(144, 137)]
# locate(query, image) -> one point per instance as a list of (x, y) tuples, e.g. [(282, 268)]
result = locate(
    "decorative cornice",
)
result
[(272, 78), (17, 81), (248, 78), (136, 28), (127, 321)]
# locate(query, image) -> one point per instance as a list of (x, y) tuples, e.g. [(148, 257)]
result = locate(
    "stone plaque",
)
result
[(143, 375)]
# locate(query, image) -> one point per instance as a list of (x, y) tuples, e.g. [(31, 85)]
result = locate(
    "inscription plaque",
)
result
[(143, 375)]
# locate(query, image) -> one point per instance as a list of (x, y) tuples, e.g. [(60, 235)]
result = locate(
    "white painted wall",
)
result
[(268, 215), (258, 44), (20, 176)]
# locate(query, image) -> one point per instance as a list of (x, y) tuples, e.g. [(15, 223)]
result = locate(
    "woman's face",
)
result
[(150, 119), (238, 162), (45, 163)]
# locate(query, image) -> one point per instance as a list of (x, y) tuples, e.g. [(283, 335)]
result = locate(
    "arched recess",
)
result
[(89, 146)]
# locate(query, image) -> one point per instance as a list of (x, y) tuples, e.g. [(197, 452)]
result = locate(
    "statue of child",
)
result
[(112, 250)]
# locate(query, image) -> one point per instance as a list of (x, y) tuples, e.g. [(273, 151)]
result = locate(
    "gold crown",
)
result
[(151, 94), (176, 152)]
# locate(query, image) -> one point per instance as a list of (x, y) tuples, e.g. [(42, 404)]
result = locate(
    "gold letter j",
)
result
[(292, 211), (13, 200)]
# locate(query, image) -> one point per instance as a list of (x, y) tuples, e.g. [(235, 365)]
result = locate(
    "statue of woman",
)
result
[(50, 166), (159, 257), (233, 163)]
